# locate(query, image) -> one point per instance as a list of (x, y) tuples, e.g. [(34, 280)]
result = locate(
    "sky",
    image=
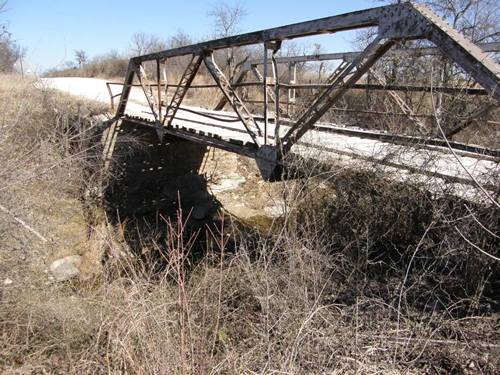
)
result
[(51, 30)]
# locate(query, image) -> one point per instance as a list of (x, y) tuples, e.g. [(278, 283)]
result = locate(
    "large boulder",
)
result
[(65, 268)]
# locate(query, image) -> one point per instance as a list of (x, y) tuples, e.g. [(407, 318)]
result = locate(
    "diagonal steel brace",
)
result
[(239, 78), (405, 108), (148, 91), (182, 88), (243, 113), (352, 73), (270, 91), (330, 80)]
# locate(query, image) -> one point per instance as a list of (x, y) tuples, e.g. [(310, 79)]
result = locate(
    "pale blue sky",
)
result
[(52, 29)]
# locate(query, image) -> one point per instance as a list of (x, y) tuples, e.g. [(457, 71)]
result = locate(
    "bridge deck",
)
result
[(319, 144)]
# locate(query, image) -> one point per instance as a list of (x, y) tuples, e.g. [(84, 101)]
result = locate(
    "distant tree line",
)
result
[(226, 21), (114, 64)]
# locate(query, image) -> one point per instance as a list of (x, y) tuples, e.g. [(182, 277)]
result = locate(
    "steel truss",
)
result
[(241, 110), (395, 23)]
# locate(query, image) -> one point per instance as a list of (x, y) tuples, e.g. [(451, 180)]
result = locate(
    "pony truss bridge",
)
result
[(273, 134)]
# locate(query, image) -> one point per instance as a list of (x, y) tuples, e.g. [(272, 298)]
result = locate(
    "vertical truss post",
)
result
[(351, 74), (277, 109), (277, 99), (270, 93), (181, 90), (158, 89), (242, 112), (165, 80), (292, 79), (111, 96), (265, 93)]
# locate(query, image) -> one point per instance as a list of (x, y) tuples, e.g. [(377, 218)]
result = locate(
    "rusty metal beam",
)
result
[(270, 92), (190, 135), (127, 86), (236, 83), (357, 86), (233, 99), (148, 91), (430, 51), (460, 50), (265, 93), (277, 108), (158, 89), (351, 74), (291, 96), (181, 90), (344, 65), (342, 22), (407, 88)]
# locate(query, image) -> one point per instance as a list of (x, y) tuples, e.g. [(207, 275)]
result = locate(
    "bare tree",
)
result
[(180, 39), (479, 21), (321, 65), (10, 51), (227, 20), (70, 65), (9, 54), (142, 44), (3, 28), (81, 58), (21, 56)]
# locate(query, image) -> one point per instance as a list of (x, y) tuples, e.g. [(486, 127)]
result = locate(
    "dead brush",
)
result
[(175, 326), (40, 125), (46, 148), (363, 274), (378, 221)]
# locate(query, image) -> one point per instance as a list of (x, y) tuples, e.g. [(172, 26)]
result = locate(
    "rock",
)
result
[(65, 268), (7, 281), (230, 182), (277, 210)]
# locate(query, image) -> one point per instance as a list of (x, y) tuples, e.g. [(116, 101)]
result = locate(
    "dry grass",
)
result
[(364, 275)]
